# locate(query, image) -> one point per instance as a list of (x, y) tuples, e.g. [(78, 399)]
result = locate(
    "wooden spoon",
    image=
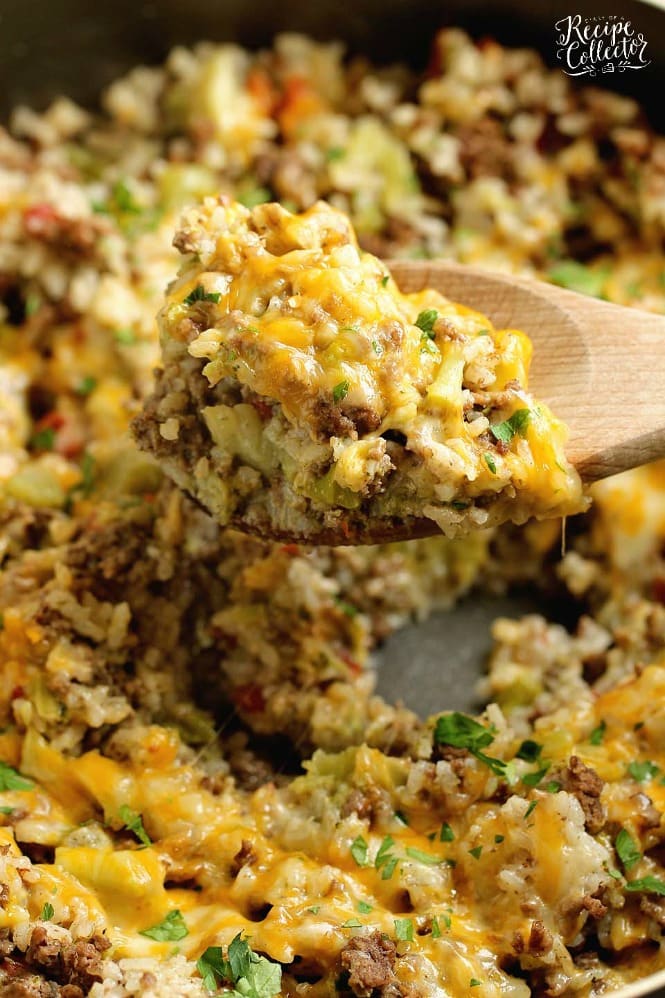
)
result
[(600, 367)]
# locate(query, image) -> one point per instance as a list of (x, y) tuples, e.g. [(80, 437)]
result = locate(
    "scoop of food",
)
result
[(303, 396)]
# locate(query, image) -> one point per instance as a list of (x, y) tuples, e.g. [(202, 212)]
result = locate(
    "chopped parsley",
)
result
[(384, 280), (597, 735), (335, 153), (124, 200), (627, 849), (200, 294), (126, 337), (364, 908), (499, 839), (650, 885), (348, 609), (474, 982), (352, 923), (86, 385), (423, 857), (516, 425), (10, 779), (315, 909), (404, 929), (461, 731), (529, 751), (436, 928), (425, 322), (170, 929), (533, 779), (359, 850), (642, 771), (5, 809), (47, 912), (578, 277), (255, 195), (446, 834), (254, 976), (384, 858), (476, 852), (133, 821), (402, 818), (553, 786), (491, 464), (530, 809), (32, 304), (340, 391), (43, 439)]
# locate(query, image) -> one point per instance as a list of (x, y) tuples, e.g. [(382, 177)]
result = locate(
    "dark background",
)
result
[(48, 47)]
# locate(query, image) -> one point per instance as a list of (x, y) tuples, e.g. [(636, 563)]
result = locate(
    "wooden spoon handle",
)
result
[(600, 367)]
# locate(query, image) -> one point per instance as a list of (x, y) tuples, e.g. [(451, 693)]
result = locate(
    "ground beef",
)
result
[(539, 942), (78, 964), (245, 856), (371, 802), (585, 784), (370, 961), (484, 149), (331, 420)]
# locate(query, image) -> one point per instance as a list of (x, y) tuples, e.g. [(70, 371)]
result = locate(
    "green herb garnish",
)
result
[(47, 912), (43, 439), (359, 850), (423, 857), (446, 834), (627, 849), (598, 733), (533, 779), (86, 385), (436, 928), (170, 929), (133, 821), (578, 277), (516, 425), (476, 852), (461, 731), (364, 908), (426, 320), (650, 885), (529, 751), (252, 975), (126, 337), (530, 809), (642, 771), (10, 779), (340, 391), (352, 923), (404, 929), (489, 461), (255, 195), (200, 294)]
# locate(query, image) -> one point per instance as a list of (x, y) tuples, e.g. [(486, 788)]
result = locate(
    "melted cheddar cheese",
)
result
[(324, 392)]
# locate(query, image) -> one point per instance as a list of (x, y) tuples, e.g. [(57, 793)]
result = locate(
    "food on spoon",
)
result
[(304, 396)]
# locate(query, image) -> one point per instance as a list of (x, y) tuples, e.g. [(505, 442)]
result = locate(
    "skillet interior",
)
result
[(72, 47)]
